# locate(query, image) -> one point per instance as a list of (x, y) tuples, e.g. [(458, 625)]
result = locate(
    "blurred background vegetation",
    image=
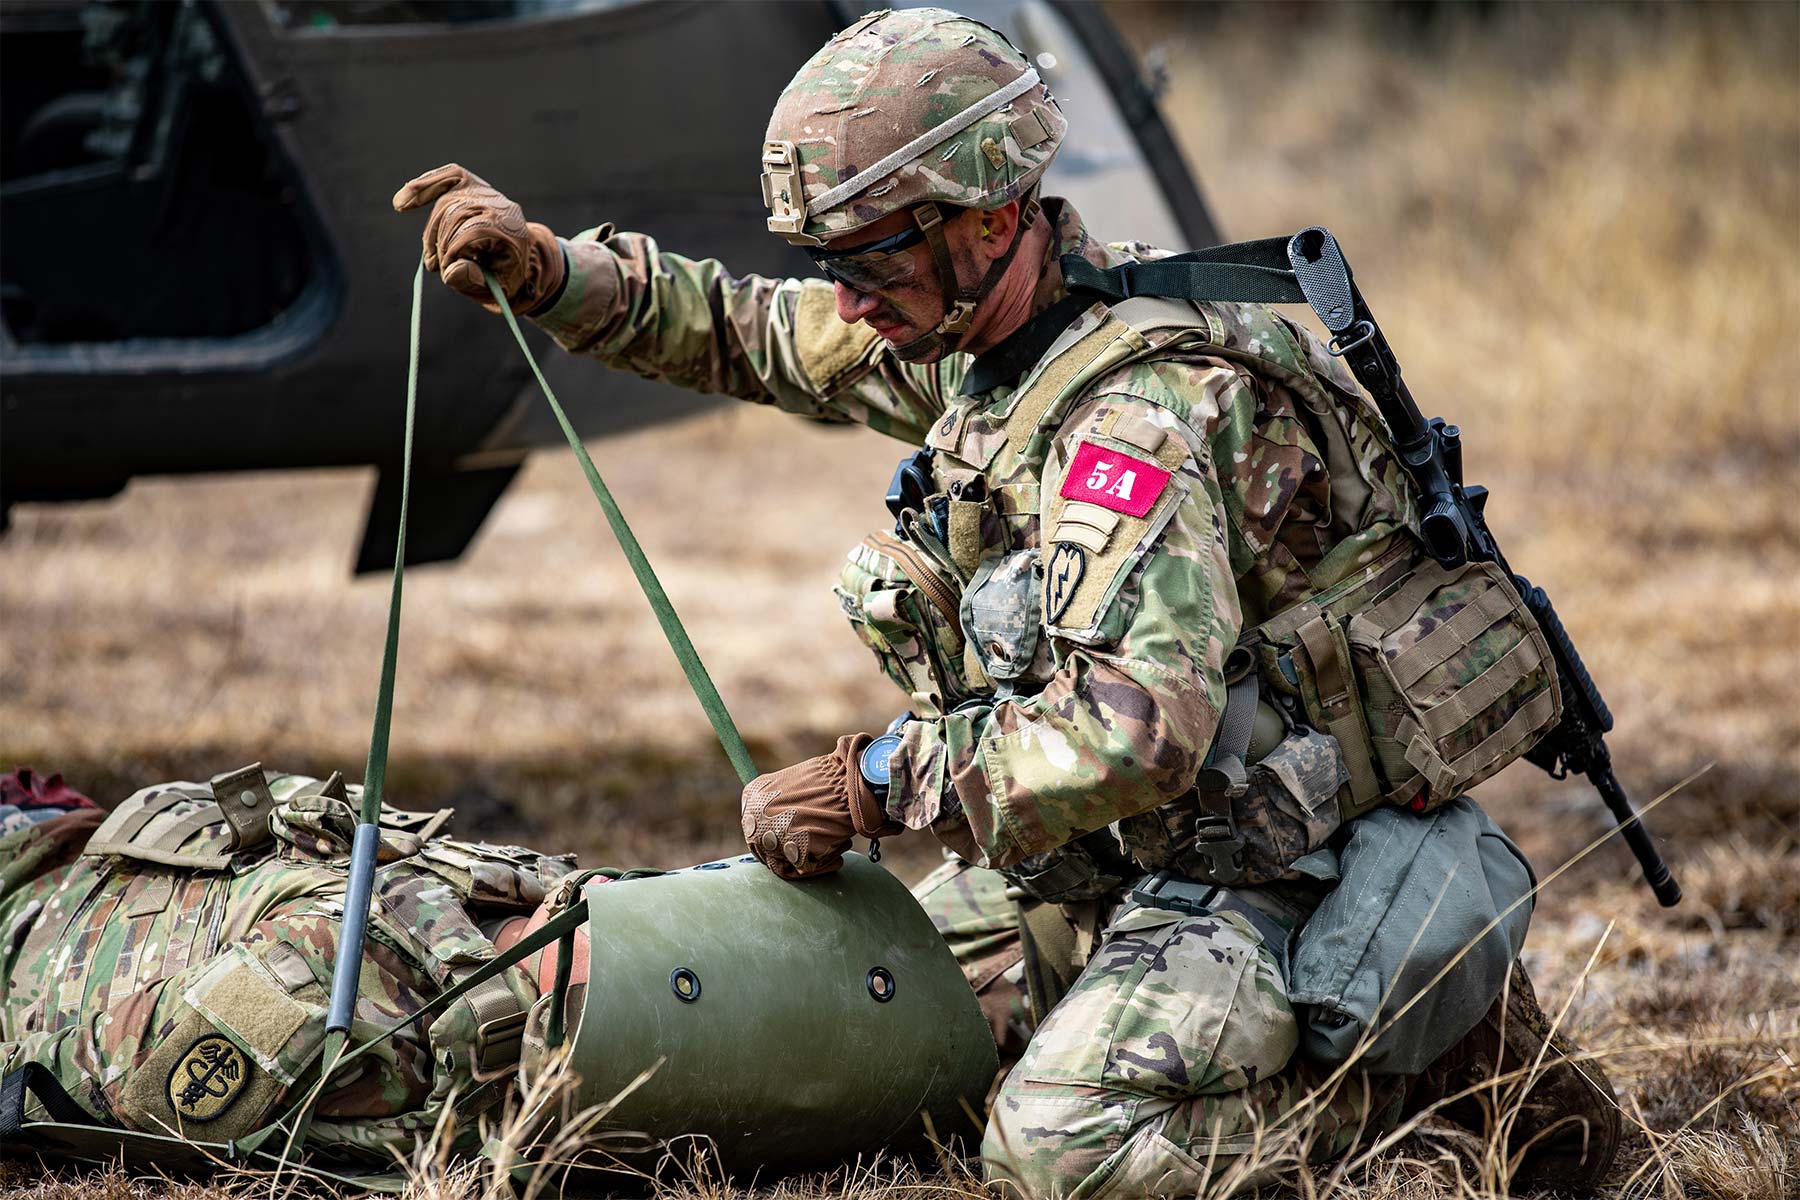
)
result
[(1580, 227)]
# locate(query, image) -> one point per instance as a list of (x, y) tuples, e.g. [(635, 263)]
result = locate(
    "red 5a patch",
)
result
[(1113, 480)]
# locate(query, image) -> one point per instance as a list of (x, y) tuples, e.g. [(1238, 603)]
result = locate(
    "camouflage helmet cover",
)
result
[(898, 109)]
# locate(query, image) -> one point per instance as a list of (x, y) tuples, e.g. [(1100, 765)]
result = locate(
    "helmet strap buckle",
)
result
[(958, 317)]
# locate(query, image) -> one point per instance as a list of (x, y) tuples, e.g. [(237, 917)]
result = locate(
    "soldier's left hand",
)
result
[(798, 821)]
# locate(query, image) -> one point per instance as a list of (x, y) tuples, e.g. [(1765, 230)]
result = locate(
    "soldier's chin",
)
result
[(926, 348)]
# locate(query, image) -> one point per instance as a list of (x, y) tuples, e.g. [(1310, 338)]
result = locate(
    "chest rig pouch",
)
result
[(193, 825), (903, 596), (1430, 679), (948, 601)]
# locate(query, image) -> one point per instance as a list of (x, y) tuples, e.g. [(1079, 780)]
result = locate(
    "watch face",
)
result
[(874, 763)]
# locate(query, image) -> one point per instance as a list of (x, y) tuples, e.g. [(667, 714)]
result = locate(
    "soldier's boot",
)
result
[(1567, 1126)]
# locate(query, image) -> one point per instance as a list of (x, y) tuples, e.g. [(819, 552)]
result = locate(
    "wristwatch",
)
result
[(873, 764)]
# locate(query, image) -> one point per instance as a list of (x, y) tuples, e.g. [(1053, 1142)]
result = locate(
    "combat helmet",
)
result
[(921, 110)]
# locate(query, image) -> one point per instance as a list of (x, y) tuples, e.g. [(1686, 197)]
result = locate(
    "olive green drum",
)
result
[(798, 1022)]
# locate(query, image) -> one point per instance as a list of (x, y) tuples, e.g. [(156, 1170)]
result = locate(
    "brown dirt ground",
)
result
[(1579, 228)]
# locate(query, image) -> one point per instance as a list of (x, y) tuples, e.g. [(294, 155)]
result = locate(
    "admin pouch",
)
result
[(1430, 679), (905, 604), (1414, 944)]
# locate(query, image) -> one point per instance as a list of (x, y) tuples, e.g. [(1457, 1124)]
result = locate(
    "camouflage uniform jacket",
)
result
[(1042, 726), (190, 999)]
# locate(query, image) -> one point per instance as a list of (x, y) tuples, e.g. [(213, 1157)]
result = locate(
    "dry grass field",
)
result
[(1580, 227)]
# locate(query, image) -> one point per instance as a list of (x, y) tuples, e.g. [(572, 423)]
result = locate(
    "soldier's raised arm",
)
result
[(620, 298)]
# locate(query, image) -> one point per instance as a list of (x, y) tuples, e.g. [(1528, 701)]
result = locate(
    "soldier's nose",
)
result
[(852, 305)]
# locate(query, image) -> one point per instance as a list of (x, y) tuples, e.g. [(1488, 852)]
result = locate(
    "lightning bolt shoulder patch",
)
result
[(1121, 484), (1068, 562)]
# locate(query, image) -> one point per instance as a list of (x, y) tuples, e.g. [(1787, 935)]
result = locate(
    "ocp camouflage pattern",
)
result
[(1116, 728), (109, 961), (1281, 488), (895, 77)]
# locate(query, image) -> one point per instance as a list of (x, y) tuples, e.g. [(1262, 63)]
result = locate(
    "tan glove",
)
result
[(473, 225), (799, 820)]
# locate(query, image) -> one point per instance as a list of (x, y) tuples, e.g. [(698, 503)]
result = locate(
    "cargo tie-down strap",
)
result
[(348, 966), (69, 1131)]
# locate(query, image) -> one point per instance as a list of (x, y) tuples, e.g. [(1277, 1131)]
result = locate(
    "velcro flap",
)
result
[(1085, 536), (1131, 510), (832, 354), (1028, 130), (197, 1083), (248, 1003), (1138, 431)]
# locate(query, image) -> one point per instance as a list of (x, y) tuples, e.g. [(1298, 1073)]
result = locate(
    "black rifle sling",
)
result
[(36, 1079), (1246, 272)]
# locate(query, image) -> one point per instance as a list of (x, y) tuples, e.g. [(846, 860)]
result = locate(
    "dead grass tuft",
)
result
[(1733, 883), (1749, 1161), (1712, 1087)]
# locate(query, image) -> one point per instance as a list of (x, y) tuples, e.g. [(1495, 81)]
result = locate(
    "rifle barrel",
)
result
[(1656, 871)]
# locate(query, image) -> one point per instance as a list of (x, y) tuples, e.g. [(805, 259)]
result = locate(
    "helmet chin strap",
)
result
[(959, 301)]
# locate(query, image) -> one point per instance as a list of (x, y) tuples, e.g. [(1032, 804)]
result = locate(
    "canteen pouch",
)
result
[(1416, 894), (907, 611), (1288, 810), (1431, 679)]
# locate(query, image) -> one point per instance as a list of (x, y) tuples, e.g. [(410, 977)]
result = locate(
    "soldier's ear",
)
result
[(997, 227)]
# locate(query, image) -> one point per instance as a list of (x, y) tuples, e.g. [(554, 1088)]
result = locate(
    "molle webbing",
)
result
[(1056, 377), (1461, 707), (151, 831), (1328, 651)]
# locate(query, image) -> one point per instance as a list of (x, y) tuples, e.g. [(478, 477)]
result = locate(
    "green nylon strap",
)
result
[(698, 679), (375, 775), (346, 968), (349, 958)]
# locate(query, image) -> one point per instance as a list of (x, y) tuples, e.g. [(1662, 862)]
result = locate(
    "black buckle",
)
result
[(1218, 844), (1156, 894)]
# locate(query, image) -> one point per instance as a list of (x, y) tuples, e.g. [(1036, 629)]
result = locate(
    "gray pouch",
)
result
[(1000, 614), (1415, 890)]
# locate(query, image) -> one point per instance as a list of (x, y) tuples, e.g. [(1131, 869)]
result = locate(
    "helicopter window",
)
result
[(142, 195), (323, 16)]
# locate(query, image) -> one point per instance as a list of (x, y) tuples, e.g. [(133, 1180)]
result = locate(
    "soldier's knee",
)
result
[(1046, 1142), (1058, 1143)]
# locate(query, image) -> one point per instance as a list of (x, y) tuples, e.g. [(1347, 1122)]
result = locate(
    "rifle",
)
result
[(1310, 268)]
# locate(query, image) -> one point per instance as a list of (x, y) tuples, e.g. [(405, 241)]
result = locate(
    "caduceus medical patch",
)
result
[(208, 1079)]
